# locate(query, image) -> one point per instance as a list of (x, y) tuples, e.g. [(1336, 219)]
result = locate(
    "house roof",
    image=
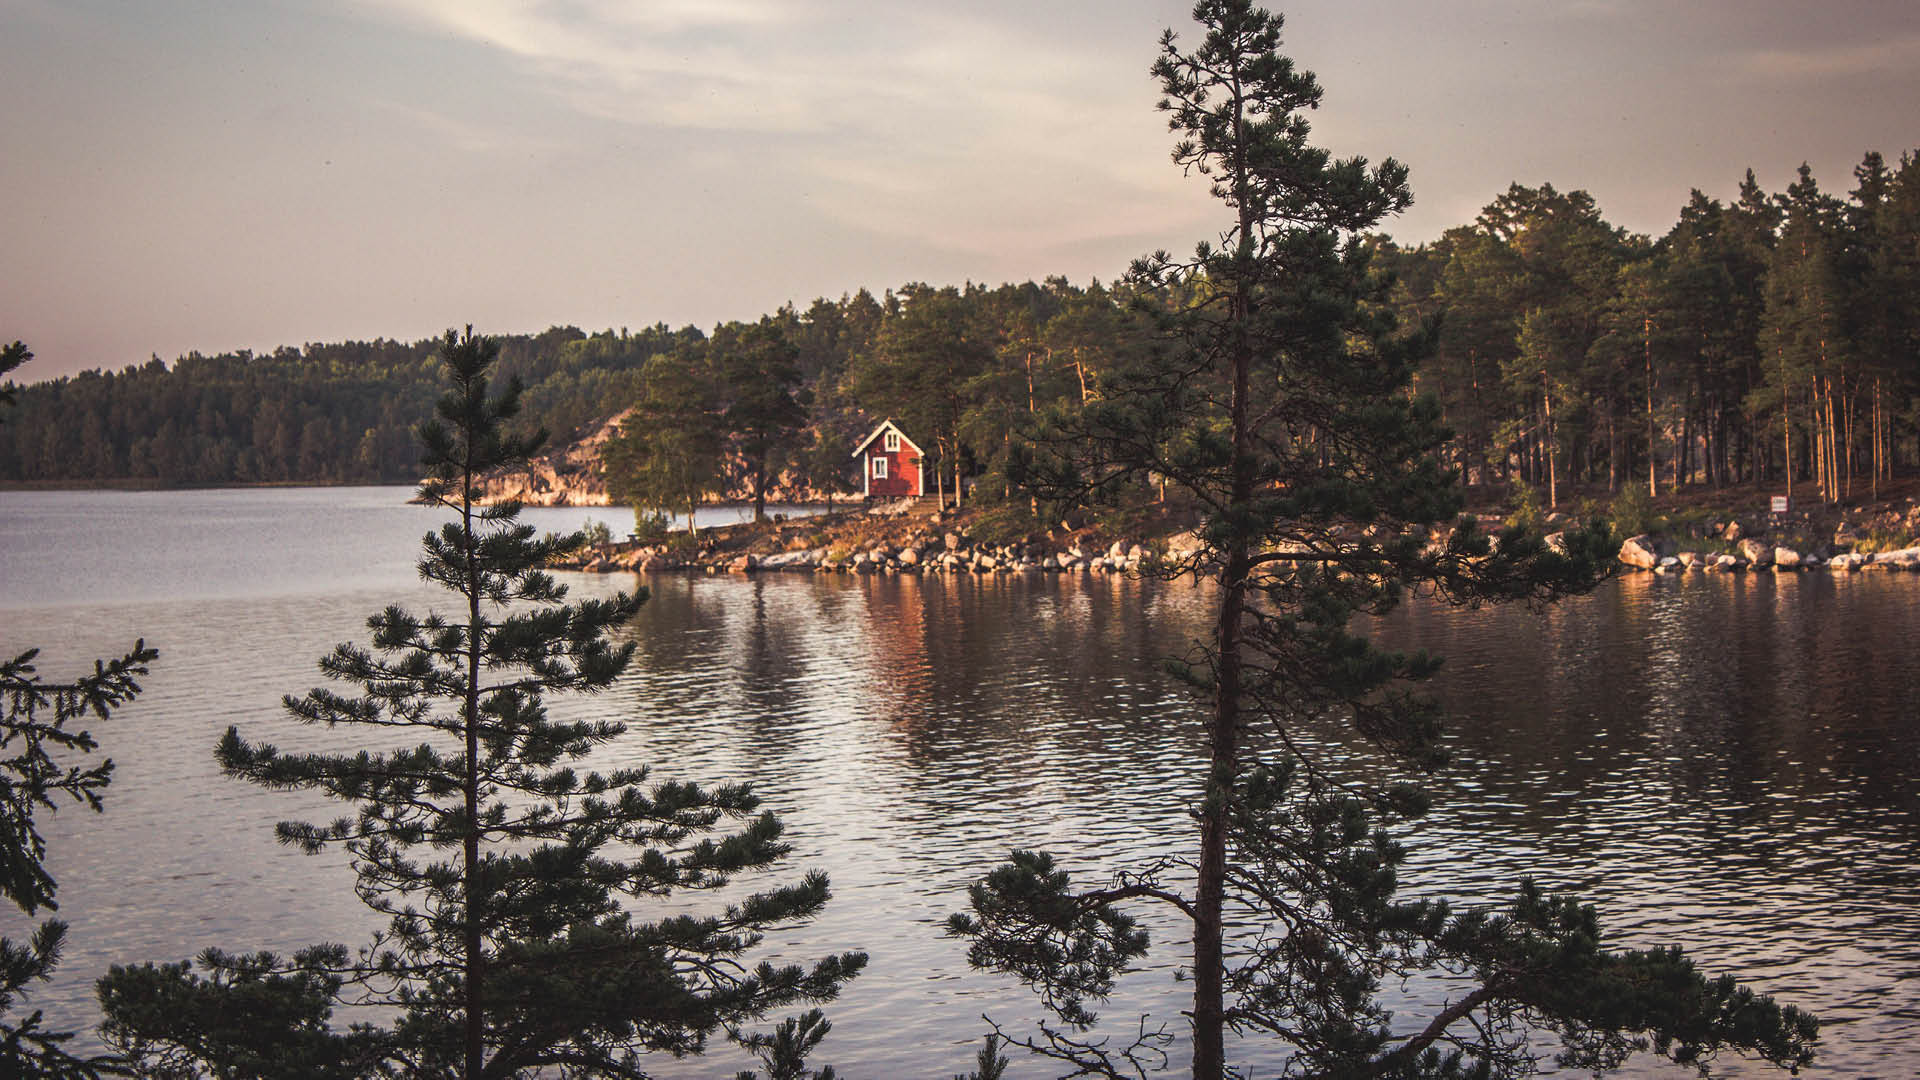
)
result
[(884, 425)]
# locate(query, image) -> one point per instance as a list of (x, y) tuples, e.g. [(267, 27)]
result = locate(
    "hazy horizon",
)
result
[(218, 176)]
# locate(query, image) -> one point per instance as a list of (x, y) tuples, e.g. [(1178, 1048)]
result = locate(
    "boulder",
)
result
[(786, 560), (1758, 553), (1732, 532), (1644, 551), (1556, 543), (1785, 558), (1184, 545), (745, 564), (1118, 550), (909, 556)]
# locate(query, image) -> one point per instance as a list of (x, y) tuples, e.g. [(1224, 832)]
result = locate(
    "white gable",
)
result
[(886, 426)]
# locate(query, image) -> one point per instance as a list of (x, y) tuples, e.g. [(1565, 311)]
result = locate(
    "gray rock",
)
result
[(910, 556), (1758, 553), (1786, 559)]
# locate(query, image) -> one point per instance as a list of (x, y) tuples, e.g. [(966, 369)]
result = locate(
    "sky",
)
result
[(180, 175)]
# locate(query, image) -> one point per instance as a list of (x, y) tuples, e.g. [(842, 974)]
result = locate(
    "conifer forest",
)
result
[(1768, 337)]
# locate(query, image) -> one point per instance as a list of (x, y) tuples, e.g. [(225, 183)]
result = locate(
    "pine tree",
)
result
[(503, 870), (1278, 404), (1806, 364), (759, 373), (37, 733), (668, 452)]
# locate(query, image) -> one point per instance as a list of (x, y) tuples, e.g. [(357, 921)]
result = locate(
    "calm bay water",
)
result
[(1732, 762)]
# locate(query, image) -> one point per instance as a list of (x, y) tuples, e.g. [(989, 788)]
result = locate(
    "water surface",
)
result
[(1730, 761)]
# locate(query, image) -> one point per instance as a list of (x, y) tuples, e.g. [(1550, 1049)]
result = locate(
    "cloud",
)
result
[(1898, 56), (938, 124)]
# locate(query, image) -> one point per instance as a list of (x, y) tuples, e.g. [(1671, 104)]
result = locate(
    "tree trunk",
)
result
[(760, 489), (473, 946), (1553, 475), (1653, 458), (1786, 423), (939, 478)]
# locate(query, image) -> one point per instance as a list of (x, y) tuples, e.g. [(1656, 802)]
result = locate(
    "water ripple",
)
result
[(1728, 762)]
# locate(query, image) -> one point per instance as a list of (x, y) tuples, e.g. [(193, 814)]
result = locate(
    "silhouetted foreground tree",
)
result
[(503, 870), (36, 735), (1278, 401)]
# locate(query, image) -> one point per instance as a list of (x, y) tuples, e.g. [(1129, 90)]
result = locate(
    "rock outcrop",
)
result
[(565, 476)]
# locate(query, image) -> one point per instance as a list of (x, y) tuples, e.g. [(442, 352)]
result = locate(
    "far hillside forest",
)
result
[(1773, 339)]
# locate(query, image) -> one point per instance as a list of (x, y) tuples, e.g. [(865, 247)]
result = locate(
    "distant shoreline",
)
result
[(135, 485)]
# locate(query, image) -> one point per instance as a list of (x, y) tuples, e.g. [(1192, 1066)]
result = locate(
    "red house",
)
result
[(890, 464)]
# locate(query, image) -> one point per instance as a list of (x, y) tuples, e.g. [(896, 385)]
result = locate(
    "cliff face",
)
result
[(567, 475)]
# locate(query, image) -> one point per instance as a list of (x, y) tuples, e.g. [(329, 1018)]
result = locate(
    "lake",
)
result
[(1731, 762)]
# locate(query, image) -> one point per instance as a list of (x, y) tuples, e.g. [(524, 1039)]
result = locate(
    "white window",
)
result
[(890, 442), (879, 468)]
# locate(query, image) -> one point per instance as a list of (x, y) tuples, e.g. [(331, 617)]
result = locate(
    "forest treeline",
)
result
[(1773, 338)]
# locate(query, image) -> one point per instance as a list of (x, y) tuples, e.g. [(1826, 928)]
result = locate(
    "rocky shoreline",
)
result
[(907, 538), (1840, 540), (1662, 555)]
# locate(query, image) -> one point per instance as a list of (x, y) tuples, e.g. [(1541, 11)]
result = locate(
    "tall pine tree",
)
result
[(1278, 403), (503, 870)]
